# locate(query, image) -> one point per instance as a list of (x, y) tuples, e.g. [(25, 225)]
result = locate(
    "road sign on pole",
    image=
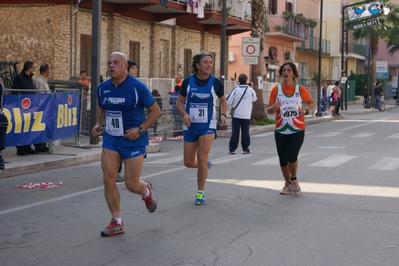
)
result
[(250, 46)]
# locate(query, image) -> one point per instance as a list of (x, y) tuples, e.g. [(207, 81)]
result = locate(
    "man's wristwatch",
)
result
[(307, 111), (142, 131), (223, 114)]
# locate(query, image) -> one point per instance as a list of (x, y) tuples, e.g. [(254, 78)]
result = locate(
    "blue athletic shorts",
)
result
[(192, 135), (118, 144)]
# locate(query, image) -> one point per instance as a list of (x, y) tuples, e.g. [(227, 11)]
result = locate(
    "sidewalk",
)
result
[(66, 153)]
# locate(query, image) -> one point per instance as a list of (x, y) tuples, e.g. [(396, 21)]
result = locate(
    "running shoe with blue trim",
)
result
[(209, 164), (199, 198)]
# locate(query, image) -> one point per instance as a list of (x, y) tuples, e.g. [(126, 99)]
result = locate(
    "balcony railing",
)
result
[(239, 9), (313, 45), (357, 49), (288, 26)]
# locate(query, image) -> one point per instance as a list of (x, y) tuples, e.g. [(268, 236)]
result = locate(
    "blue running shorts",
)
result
[(192, 135), (118, 144)]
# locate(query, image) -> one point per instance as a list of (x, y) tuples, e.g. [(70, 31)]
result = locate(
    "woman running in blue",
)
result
[(197, 106)]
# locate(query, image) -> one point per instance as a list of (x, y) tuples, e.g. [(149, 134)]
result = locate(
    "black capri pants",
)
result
[(288, 146)]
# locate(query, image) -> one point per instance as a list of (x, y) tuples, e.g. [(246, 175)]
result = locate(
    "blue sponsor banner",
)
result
[(67, 120), (39, 118)]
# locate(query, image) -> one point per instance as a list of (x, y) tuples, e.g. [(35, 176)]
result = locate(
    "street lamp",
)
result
[(222, 57), (318, 113)]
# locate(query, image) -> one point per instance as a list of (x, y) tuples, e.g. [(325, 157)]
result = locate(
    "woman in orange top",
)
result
[(286, 101)]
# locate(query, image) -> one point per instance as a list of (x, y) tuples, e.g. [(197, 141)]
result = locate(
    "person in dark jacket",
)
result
[(377, 95), (3, 125), (177, 120), (23, 81)]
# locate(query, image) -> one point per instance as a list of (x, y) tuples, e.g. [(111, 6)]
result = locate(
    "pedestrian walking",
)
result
[(286, 101), (241, 99), (121, 103), (377, 95)]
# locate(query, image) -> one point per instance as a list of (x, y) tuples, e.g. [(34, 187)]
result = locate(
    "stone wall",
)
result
[(54, 37)]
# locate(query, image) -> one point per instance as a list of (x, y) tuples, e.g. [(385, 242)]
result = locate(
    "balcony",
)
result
[(356, 50), (312, 46), (287, 28), (238, 14)]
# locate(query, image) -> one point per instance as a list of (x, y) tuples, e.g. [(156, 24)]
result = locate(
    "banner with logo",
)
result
[(39, 118)]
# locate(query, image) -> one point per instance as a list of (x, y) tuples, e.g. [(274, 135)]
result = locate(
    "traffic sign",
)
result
[(250, 46), (253, 60)]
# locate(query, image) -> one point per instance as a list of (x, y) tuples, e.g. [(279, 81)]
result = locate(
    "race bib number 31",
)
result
[(114, 123), (199, 112)]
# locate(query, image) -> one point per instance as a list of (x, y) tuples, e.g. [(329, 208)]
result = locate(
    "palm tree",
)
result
[(257, 24), (386, 30)]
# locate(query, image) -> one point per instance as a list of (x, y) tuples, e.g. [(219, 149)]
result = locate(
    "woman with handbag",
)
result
[(334, 100), (286, 101)]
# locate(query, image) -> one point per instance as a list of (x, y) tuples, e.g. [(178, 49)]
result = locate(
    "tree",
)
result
[(257, 25), (386, 30)]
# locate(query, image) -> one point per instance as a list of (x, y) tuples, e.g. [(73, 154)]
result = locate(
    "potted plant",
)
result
[(300, 18), (311, 22), (288, 14)]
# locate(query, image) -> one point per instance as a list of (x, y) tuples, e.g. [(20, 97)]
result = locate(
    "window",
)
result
[(289, 6), (85, 53), (187, 62), (272, 7), (134, 54)]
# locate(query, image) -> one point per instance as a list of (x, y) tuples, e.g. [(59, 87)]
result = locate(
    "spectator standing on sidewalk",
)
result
[(177, 121), (241, 99), (23, 81), (3, 124), (40, 83), (125, 136), (286, 101), (197, 106), (158, 99), (329, 92), (178, 82), (339, 95), (133, 68), (377, 95)]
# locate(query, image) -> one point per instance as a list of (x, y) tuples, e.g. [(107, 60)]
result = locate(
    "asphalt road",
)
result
[(347, 214)]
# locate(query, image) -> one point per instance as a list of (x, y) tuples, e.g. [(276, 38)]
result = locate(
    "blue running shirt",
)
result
[(200, 104), (124, 107)]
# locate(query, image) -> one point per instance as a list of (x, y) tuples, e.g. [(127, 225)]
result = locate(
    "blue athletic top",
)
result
[(200, 103), (124, 107)]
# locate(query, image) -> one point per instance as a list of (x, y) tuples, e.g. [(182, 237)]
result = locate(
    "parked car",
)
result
[(394, 93), (62, 84)]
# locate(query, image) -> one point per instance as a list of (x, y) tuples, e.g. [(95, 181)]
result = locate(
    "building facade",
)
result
[(162, 40)]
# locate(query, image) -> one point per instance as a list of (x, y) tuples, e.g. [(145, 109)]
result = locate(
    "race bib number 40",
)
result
[(114, 123), (199, 112)]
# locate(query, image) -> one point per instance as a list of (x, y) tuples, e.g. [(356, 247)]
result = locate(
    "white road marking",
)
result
[(363, 135), (166, 160), (231, 158), (273, 161), (81, 193), (389, 164), (319, 188), (333, 161), (329, 134), (262, 135), (393, 136)]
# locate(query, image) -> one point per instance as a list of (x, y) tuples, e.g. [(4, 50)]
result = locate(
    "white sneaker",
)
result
[(120, 178)]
